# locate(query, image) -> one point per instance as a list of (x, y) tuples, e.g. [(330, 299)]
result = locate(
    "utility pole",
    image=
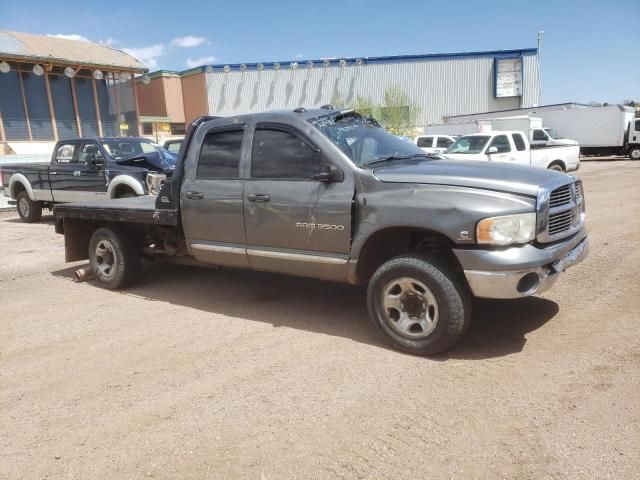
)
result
[(540, 32)]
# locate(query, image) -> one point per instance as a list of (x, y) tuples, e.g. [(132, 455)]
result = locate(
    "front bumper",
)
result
[(520, 271)]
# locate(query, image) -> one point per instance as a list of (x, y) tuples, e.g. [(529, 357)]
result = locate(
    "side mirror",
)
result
[(329, 174), (492, 150), (97, 162)]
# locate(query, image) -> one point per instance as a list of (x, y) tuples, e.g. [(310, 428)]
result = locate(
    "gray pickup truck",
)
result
[(329, 194)]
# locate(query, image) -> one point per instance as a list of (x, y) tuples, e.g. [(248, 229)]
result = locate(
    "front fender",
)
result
[(132, 182), (447, 210)]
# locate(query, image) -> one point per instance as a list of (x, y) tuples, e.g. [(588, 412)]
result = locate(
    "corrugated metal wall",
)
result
[(440, 87)]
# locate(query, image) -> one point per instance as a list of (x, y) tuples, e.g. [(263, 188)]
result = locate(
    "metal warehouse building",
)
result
[(439, 84)]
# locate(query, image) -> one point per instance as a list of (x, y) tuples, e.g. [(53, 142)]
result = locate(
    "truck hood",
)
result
[(155, 161), (502, 177)]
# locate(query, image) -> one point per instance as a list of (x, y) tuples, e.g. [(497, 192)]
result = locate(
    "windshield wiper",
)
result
[(393, 157)]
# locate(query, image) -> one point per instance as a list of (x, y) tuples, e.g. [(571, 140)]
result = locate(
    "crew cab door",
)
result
[(211, 196), (294, 223), (72, 174)]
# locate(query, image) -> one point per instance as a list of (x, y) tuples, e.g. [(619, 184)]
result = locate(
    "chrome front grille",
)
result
[(560, 211), (560, 196)]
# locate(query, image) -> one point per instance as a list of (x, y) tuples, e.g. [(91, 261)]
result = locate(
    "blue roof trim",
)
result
[(366, 60)]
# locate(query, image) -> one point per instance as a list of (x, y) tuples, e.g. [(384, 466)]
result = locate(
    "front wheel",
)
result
[(114, 258), (634, 153), (421, 306), (28, 210)]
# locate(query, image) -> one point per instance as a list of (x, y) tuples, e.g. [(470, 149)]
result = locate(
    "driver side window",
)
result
[(280, 154), (501, 142), (87, 152)]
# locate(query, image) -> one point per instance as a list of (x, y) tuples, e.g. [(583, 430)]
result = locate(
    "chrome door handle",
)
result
[(53, 173), (258, 197), (194, 195), (76, 173)]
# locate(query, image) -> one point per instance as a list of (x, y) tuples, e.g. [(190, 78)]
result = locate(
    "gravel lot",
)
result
[(221, 374)]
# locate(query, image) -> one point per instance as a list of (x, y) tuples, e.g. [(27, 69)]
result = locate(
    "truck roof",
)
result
[(492, 132), (101, 139)]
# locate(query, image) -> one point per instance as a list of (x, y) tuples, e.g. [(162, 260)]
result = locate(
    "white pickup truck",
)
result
[(513, 147)]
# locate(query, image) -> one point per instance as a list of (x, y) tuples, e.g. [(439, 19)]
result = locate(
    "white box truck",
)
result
[(610, 130)]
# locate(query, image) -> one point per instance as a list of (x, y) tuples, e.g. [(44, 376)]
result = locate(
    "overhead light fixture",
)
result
[(343, 63), (226, 69), (243, 68), (326, 63), (69, 72), (38, 70), (5, 67), (260, 67), (97, 74), (276, 66), (293, 65), (309, 64), (359, 62), (146, 79), (208, 69)]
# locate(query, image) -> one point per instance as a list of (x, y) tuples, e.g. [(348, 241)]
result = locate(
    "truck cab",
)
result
[(546, 136)]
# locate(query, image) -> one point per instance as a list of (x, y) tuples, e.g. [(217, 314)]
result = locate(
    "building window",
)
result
[(177, 129), (13, 115), (35, 94), (63, 106), (147, 128), (86, 107)]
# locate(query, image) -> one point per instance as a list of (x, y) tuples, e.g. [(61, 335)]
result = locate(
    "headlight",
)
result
[(508, 229)]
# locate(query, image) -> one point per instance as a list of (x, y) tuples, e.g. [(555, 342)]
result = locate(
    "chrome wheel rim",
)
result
[(23, 207), (410, 308), (106, 259), (635, 154)]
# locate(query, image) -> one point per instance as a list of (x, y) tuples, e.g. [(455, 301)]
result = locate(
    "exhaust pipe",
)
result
[(83, 274)]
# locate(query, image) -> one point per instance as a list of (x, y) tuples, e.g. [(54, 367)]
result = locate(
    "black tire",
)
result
[(557, 167), (28, 210), (634, 153), (448, 288), (114, 258)]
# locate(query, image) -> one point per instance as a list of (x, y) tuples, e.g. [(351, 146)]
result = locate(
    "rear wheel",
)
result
[(28, 210), (634, 153), (114, 258), (557, 167), (421, 306)]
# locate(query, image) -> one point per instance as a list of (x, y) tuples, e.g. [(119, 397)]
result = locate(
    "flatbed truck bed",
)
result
[(131, 210)]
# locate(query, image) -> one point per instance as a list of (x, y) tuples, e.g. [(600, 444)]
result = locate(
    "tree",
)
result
[(398, 114)]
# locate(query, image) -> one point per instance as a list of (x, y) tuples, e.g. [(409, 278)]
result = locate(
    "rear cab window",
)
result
[(220, 154), (66, 153), (518, 141)]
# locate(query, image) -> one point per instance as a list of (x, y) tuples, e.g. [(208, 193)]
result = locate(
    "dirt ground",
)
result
[(198, 373)]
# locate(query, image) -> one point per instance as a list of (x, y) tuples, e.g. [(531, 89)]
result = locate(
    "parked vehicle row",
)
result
[(513, 147), (329, 194), (87, 169)]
